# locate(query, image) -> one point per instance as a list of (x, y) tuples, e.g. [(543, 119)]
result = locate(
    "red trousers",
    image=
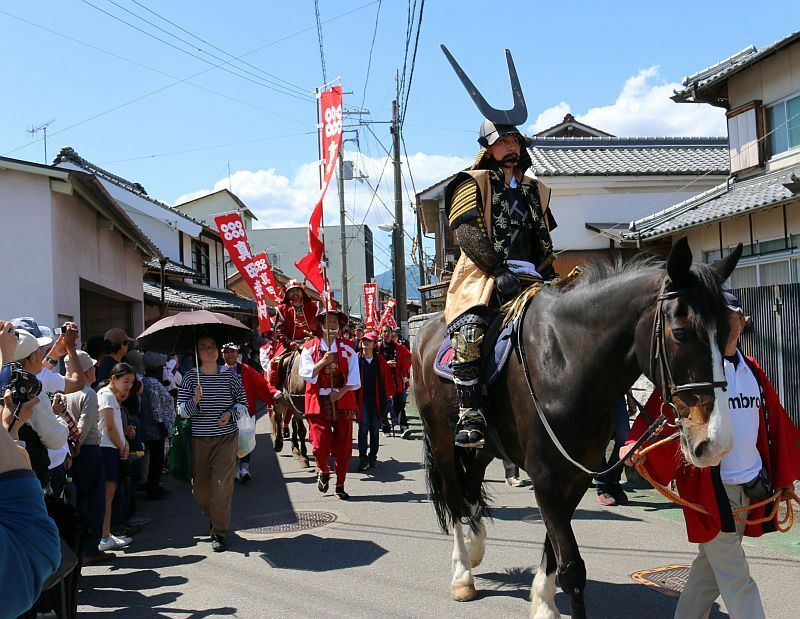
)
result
[(331, 438)]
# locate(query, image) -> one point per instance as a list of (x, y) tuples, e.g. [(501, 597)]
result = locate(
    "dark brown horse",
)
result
[(293, 404), (584, 346)]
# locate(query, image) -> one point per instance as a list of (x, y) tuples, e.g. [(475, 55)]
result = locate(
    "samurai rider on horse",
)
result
[(296, 322), (501, 221)]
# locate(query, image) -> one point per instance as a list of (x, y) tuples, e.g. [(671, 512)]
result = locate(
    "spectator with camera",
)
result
[(42, 430)]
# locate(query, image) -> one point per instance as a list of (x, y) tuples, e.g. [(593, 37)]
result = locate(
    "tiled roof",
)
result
[(196, 297), (173, 268), (69, 154), (610, 156), (733, 64), (721, 202)]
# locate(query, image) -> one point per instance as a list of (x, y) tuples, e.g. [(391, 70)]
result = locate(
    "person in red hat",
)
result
[(296, 321), (329, 366), (374, 397)]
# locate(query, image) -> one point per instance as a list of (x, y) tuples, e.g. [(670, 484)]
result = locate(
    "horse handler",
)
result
[(765, 456), (330, 368)]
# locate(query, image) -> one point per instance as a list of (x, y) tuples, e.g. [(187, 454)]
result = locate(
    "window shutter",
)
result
[(745, 128)]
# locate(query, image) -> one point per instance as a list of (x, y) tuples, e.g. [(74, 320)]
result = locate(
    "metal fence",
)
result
[(774, 338)]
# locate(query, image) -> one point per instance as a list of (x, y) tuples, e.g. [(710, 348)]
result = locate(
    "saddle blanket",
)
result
[(493, 361)]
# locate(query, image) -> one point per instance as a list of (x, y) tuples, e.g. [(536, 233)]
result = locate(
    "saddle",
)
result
[(495, 350)]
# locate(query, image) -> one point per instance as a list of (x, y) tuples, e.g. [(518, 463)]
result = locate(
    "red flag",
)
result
[(370, 306), (266, 278), (388, 316), (234, 238), (330, 139)]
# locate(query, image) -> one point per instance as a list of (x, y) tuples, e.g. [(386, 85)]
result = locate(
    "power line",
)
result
[(413, 63), (299, 89), (186, 79), (256, 81), (319, 36), (371, 47)]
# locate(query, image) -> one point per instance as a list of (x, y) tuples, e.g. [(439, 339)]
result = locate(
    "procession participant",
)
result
[(398, 358), (255, 387), (265, 355), (330, 368), (296, 321), (764, 457), (500, 220), (376, 384), (213, 406)]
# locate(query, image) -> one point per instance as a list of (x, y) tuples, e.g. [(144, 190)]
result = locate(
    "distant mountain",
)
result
[(384, 281)]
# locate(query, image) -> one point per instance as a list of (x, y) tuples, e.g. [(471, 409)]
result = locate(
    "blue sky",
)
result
[(610, 64)]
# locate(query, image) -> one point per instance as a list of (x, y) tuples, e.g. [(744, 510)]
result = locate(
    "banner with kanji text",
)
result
[(387, 318), (311, 265), (234, 238), (370, 306)]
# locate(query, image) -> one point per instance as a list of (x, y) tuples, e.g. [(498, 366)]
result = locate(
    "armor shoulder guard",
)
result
[(462, 201)]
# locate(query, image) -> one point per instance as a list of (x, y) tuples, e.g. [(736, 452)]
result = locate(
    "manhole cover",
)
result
[(287, 522), (669, 580)]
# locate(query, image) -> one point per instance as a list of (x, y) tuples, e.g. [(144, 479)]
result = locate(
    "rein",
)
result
[(668, 385)]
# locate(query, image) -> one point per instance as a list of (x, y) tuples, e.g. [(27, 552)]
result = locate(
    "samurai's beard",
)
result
[(510, 160)]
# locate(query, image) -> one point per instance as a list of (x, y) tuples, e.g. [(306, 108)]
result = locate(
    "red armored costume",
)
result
[(296, 321)]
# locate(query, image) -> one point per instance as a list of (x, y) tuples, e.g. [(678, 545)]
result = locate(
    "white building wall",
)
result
[(26, 246), (579, 200)]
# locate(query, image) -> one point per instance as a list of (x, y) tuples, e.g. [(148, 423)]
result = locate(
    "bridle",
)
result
[(659, 358)]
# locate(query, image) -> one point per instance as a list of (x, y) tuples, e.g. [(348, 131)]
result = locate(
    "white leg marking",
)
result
[(463, 585), (476, 541), (543, 595)]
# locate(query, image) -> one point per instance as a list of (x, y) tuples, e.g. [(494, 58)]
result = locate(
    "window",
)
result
[(743, 277), (774, 273), (274, 260), (744, 127), (783, 123), (200, 260)]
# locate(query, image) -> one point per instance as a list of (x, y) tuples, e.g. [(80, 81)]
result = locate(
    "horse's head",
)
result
[(689, 335)]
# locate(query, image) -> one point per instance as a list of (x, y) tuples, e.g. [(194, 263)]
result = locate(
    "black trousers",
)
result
[(155, 449)]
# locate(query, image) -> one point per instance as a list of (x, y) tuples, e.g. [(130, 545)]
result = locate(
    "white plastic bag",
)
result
[(247, 434)]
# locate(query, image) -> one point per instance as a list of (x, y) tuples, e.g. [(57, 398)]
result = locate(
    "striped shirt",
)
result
[(222, 393)]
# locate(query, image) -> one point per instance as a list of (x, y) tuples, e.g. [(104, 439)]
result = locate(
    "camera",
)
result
[(64, 329), (22, 384)]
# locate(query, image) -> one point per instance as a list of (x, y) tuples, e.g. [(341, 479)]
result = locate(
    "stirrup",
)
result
[(470, 428)]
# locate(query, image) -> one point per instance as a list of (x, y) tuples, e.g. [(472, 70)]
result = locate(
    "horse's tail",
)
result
[(464, 499)]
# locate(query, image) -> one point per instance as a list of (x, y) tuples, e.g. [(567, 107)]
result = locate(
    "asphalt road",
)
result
[(384, 556)]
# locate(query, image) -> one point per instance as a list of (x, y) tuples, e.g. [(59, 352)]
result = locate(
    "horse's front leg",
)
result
[(275, 419), (543, 591), (475, 540), (557, 510), (462, 587)]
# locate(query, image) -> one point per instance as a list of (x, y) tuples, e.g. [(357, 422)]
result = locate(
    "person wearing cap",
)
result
[(296, 321), (358, 334), (502, 223), (398, 358), (44, 430), (373, 399), (255, 387), (764, 457), (116, 343), (330, 368)]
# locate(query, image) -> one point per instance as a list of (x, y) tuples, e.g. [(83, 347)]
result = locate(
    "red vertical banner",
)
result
[(388, 314), (330, 113), (370, 306), (266, 278), (234, 238)]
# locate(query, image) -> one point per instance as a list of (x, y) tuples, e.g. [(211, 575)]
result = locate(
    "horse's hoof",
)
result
[(464, 593), (476, 562)]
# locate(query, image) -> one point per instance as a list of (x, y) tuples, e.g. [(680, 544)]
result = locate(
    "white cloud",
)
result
[(643, 108)]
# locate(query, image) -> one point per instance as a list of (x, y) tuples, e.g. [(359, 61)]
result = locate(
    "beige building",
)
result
[(70, 251), (759, 205)]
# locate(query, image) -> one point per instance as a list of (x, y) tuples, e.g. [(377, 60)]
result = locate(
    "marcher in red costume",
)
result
[(398, 357), (330, 368), (764, 457), (296, 321)]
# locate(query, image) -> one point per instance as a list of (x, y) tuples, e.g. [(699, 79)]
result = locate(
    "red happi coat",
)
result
[(401, 372), (384, 387), (296, 325), (780, 455), (348, 402), (255, 387)]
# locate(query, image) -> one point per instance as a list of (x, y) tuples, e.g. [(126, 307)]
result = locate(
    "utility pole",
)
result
[(398, 251), (422, 272), (342, 236)]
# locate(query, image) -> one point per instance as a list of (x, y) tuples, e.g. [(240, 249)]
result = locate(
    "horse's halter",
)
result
[(659, 357)]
